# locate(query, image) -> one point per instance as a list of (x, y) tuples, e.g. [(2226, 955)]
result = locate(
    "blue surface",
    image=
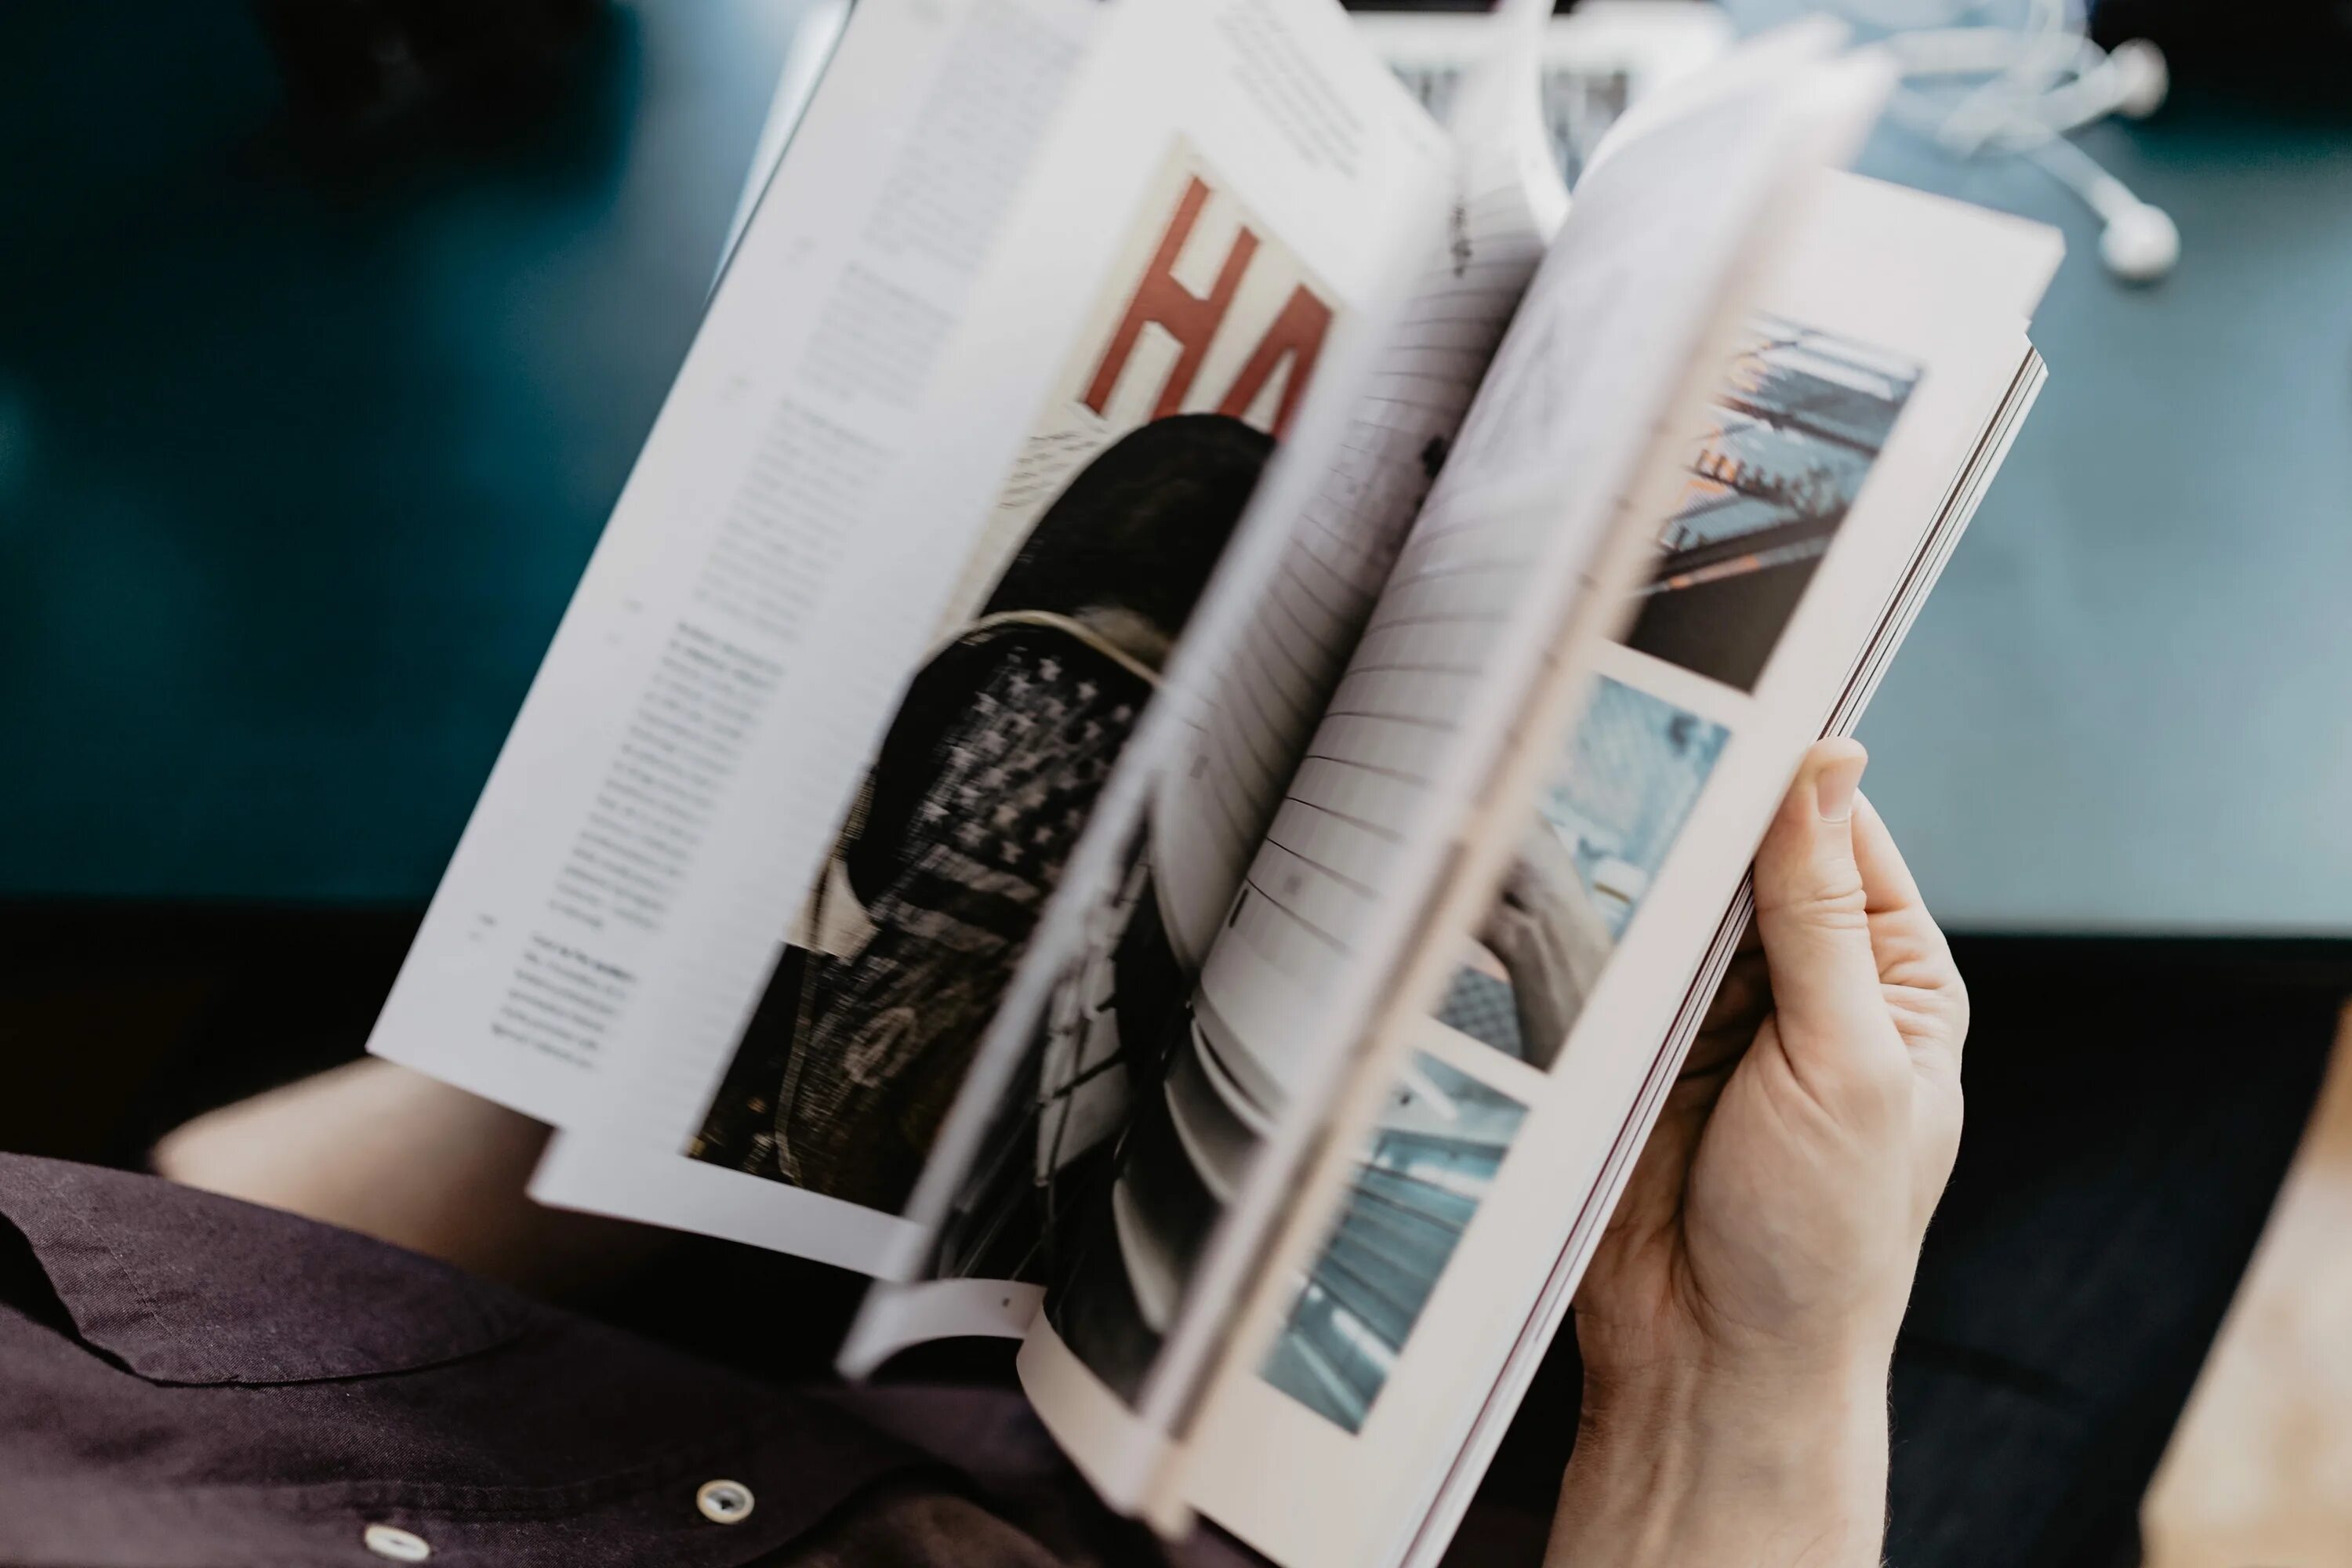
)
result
[(296, 476), (2128, 707), (298, 470)]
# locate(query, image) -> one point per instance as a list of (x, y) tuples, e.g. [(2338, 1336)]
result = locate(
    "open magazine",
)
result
[(1161, 749)]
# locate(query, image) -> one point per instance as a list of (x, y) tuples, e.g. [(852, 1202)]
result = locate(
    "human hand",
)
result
[(1739, 1315)]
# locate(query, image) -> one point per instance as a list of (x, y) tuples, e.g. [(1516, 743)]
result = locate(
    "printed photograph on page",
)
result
[(1604, 826), (1195, 353), (1799, 422), (1419, 1179)]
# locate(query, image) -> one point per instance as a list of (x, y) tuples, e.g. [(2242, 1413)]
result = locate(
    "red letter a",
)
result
[(1297, 334), (1190, 320)]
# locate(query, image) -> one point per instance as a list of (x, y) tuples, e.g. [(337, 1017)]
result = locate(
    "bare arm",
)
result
[(393, 1154)]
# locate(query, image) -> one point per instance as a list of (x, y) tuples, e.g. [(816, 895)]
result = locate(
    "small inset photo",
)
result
[(1634, 768), (1798, 425), (1433, 1154)]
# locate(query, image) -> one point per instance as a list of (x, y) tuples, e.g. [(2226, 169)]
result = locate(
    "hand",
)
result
[(1739, 1315)]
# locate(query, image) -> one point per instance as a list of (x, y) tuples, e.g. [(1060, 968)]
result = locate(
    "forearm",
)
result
[(1697, 1467), (389, 1153)]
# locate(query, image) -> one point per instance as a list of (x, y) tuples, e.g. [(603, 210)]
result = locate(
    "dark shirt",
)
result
[(190, 1382)]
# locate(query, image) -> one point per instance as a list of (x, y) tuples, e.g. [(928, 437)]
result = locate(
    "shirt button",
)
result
[(391, 1541), (724, 1502)]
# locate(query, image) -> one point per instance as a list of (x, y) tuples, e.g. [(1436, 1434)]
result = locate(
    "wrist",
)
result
[(1693, 1466)]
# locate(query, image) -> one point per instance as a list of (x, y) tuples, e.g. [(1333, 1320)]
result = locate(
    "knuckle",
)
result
[(1829, 906)]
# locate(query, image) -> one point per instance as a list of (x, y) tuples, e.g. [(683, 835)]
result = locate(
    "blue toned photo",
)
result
[(1796, 426), (1432, 1157), (1634, 768)]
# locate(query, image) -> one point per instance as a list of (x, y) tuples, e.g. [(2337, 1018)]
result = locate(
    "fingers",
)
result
[(1740, 1006), (1743, 998), (1812, 911), (1885, 876), (1915, 970)]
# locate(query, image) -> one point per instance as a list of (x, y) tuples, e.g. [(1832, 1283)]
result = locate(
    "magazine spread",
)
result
[(1161, 749)]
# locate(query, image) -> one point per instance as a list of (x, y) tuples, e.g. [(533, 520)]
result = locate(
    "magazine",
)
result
[(1161, 749)]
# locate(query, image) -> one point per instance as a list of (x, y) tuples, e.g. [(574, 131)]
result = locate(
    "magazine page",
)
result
[(727, 615), (1251, 724), (1549, 1312), (1507, 570), (1055, 1082), (1881, 356), (1211, 232)]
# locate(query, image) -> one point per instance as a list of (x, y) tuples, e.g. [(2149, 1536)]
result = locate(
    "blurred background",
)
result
[(330, 329)]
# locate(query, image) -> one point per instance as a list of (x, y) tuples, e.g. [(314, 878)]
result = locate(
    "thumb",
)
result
[(1813, 915)]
